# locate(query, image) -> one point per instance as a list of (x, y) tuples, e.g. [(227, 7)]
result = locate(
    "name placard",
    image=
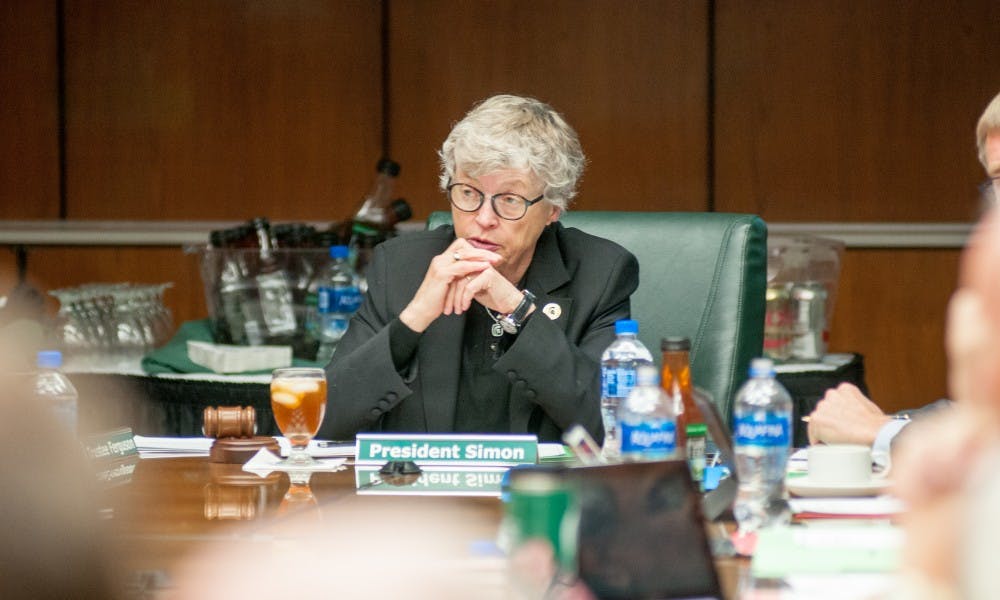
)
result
[(447, 449), (433, 481), (111, 445)]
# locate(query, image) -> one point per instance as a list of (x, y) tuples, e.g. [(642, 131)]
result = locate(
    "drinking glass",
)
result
[(298, 399)]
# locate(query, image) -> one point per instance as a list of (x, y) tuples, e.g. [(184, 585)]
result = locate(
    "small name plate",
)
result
[(461, 450), (111, 444), (434, 481)]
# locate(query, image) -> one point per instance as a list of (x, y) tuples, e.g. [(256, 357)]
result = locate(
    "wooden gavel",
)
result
[(234, 429), (229, 422)]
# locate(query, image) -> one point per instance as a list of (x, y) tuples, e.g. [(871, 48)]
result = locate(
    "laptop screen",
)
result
[(642, 533)]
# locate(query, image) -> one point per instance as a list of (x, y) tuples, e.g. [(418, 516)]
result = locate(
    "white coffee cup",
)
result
[(844, 464)]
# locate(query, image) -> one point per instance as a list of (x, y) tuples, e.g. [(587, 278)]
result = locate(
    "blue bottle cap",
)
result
[(49, 359), (626, 326), (761, 367), (339, 252)]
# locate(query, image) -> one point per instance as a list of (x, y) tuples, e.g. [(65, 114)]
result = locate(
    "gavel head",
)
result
[(229, 422)]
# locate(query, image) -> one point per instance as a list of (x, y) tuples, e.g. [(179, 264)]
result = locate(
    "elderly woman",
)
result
[(496, 325)]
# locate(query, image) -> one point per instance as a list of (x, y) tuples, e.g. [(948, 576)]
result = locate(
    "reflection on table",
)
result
[(188, 528)]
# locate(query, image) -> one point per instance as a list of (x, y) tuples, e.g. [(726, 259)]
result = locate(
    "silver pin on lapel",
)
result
[(552, 311)]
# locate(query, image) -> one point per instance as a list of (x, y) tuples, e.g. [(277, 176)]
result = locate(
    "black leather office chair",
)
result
[(701, 275)]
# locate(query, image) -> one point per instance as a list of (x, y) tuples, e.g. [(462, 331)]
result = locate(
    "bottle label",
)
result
[(617, 382), (338, 300), (655, 436), (276, 303), (761, 429), (696, 452)]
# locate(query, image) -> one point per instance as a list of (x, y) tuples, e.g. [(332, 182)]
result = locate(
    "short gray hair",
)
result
[(513, 132), (988, 123)]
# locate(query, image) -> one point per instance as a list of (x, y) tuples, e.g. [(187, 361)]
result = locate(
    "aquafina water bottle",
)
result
[(618, 376), (762, 425), (647, 423), (338, 297), (54, 389)]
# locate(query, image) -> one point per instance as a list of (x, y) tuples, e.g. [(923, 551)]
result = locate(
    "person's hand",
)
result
[(845, 416), (489, 288), (931, 473), (446, 277)]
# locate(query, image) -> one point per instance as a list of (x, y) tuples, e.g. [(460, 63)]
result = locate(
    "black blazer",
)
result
[(554, 363)]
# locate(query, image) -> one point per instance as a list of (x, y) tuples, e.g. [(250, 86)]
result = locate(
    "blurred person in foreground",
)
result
[(845, 415), (361, 548), (497, 324), (52, 545), (946, 467)]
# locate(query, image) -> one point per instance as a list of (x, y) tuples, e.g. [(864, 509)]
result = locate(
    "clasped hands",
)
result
[(456, 277)]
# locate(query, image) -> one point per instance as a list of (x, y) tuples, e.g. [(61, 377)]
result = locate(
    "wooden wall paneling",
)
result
[(29, 114), (630, 76), (853, 111), (891, 307), (221, 110)]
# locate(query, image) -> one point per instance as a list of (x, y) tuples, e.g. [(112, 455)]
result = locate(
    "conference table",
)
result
[(191, 528)]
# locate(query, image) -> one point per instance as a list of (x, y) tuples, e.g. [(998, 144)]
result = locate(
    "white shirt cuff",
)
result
[(883, 441)]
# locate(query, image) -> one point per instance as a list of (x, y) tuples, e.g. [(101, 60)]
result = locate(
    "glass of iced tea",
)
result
[(298, 399)]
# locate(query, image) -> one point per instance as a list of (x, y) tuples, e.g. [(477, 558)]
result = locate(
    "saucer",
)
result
[(803, 487)]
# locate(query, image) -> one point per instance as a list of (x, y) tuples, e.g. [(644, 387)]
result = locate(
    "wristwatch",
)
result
[(512, 322)]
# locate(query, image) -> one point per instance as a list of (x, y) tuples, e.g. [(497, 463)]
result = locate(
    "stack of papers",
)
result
[(223, 358), (880, 507), (172, 447), (181, 447)]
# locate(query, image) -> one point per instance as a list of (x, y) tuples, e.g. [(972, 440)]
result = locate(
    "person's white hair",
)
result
[(514, 132), (989, 123)]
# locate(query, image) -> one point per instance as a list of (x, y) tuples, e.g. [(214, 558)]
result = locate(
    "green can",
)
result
[(542, 506)]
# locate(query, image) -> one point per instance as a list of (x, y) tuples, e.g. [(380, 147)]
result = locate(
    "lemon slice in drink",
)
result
[(286, 399)]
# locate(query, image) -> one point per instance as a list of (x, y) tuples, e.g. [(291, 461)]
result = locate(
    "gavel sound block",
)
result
[(234, 429)]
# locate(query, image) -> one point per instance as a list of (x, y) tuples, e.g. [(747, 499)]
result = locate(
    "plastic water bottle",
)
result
[(618, 376), (646, 420), (338, 297), (55, 389), (762, 425)]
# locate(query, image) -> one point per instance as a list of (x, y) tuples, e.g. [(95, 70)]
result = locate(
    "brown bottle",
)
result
[(376, 220), (372, 211), (676, 382)]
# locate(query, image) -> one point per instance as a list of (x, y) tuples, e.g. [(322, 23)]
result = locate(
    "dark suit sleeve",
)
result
[(362, 381), (562, 377)]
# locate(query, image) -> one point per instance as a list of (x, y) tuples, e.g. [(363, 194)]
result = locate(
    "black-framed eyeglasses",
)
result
[(989, 190), (507, 206)]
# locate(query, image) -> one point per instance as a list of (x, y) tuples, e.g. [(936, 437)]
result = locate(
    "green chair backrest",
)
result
[(701, 275)]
